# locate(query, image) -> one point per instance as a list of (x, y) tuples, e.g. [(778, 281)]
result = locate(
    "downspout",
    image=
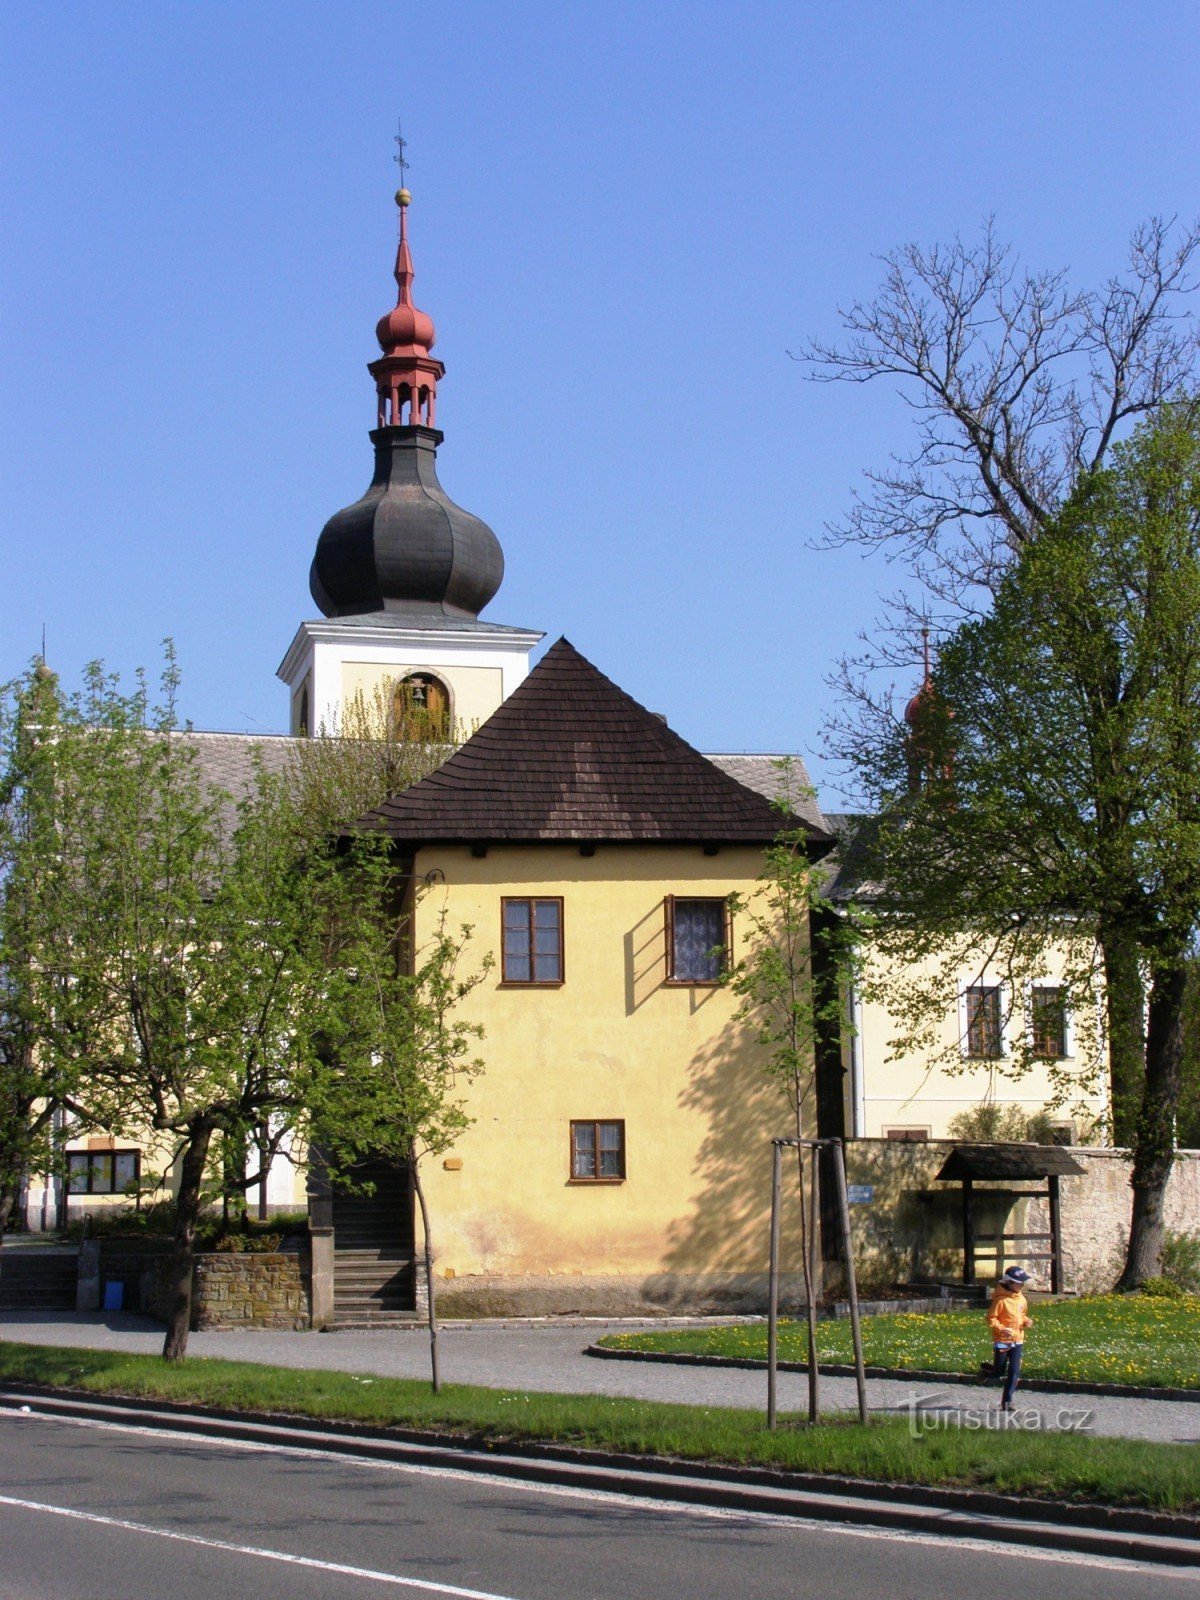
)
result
[(858, 1087)]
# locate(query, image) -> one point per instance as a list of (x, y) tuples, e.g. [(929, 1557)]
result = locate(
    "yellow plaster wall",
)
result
[(925, 1090), (612, 1042), (475, 691)]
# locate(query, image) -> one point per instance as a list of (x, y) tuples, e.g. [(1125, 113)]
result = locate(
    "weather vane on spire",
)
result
[(401, 161)]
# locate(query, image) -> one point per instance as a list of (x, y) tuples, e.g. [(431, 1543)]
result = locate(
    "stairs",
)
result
[(38, 1280), (373, 1259)]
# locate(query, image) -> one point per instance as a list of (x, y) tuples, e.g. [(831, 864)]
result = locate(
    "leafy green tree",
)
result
[(1058, 796), (790, 991), (35, 1087), (404, 1056), (186, 945), (383, 743), (1189, 1098)]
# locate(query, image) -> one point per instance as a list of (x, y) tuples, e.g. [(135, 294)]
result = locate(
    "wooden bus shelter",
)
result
[(969, 1164)]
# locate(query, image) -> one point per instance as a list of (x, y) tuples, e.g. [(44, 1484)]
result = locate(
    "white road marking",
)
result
[(633, 1502), (251, 1550)]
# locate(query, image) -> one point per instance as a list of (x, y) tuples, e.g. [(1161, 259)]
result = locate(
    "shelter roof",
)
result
[(1009, 1161)]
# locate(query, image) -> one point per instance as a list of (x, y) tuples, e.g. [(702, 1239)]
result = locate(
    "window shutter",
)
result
[(669, 917)]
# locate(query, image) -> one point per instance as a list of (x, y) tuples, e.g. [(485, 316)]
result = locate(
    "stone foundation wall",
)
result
[(615, 1295), (250, 1291), (228, 1290)]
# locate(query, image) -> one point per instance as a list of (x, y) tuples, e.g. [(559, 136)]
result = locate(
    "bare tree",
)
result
[(1018, 382)]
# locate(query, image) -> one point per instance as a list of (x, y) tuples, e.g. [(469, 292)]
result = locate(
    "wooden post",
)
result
[(860, 1377), (1056, 1265), (968, 1232), (814, 1370), (773, 1284)]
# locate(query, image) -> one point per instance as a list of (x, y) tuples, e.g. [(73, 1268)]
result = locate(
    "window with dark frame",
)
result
[(102, 1171), (597, 1152), (1048, 1022), (532, 943), (698, 939), (983, 1021)]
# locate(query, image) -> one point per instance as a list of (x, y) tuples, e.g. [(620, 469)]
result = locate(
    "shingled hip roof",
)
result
[(570, 756)]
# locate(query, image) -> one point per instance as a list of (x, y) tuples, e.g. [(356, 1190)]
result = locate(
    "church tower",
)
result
[(402, 574)]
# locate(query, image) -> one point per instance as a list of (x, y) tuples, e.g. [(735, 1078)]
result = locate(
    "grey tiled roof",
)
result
[(415, 617), (226, 761), (766, 774)]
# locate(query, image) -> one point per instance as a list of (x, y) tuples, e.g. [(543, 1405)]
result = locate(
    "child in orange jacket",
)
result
[(1008, 1317)]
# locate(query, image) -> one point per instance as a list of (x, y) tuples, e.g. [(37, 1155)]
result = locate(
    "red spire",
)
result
[(406, 374), (925, 693)]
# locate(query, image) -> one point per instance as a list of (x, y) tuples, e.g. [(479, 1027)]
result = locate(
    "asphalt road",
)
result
[(90, 1510), (549, 1357)]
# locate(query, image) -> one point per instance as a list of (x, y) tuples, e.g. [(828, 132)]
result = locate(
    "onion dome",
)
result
[(405, 546)]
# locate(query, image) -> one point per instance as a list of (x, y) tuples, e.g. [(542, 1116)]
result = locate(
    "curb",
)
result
[(1113, 1533), (1128, 1391)]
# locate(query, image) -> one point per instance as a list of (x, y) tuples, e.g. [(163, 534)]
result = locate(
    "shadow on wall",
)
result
[(726, 1236), (909, 1230)]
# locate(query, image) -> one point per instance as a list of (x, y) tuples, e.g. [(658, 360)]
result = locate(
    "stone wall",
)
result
[(228, 1290), (910, 1230), (1095, 1213), (250, 1291)]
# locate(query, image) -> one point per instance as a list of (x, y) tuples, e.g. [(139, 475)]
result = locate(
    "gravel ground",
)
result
[(550, 1357)]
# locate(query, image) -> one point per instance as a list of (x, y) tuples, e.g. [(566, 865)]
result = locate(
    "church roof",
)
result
[(570, 756)]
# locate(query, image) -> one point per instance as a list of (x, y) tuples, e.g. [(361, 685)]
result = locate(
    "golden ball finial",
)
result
[(403, 198)]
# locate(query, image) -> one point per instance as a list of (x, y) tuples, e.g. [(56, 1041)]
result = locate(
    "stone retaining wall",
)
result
[(250, 1291), (228, 1291)]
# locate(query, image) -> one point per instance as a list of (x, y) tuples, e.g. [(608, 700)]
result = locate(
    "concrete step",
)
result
[(33, 1281)]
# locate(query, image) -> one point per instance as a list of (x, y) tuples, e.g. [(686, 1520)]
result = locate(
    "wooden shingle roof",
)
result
[(1009, 1161), (570, 756)]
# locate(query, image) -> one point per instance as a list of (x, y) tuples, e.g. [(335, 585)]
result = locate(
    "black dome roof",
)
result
[(405, 546)]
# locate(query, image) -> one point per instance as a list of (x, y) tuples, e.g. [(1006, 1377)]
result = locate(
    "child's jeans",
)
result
[(1006, 1363)]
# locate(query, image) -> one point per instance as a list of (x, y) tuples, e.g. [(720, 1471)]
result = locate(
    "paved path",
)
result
[(549, 1357)]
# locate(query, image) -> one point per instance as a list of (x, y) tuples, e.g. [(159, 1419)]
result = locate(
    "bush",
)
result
[(247, 1244), (1162, 1289), (1181, 1260)]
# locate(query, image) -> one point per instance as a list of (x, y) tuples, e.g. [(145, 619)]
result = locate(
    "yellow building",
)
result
[(618, 1154)]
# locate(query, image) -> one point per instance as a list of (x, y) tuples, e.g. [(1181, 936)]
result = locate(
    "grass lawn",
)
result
[(1070, 1467), (1103, 1339)]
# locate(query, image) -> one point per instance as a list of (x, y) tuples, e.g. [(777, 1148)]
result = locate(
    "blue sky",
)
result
[(624, 217)]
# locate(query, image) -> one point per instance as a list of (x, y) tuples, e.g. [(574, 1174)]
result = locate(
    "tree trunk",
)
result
[(1126, 1032), (1154, 1142), (183, 1255), (6, 1204), (415, 1166)]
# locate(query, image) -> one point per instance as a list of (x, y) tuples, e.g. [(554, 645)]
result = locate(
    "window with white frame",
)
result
[(1049, 1034)]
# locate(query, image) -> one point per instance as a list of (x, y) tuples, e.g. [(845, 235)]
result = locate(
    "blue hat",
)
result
[(1016, 1275)]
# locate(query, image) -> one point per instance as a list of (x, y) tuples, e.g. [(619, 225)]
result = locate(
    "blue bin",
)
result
[(114, 1295)]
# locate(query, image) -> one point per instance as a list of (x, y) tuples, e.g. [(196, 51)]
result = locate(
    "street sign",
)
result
[(860, 1194)]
